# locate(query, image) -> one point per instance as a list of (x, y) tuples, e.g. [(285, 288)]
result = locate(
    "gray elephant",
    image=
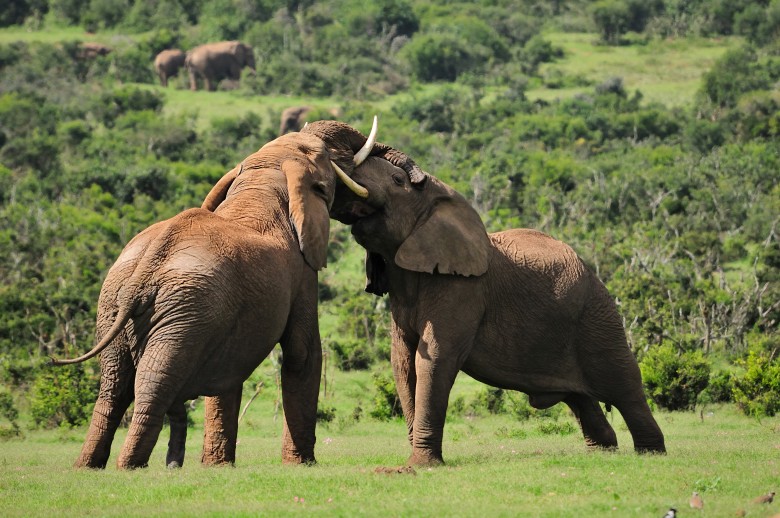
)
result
[(516, 309), (293, 119), (213, 62), (90, 50), (167, 64), (193, 304)]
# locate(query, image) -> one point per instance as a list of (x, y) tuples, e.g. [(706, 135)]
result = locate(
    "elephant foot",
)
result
[(127, 465), (424, 458), (88, 464), (173, 465), (216, 461), (602, 447), (306, 460), (652, 450)]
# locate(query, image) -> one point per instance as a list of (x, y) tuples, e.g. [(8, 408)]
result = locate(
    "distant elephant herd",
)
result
[(211, 63), (195, 303)]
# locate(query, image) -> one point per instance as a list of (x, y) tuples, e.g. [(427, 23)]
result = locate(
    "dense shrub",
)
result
[(386, 403), (674, 380), (351, 354), (720, 388), (614, 18), (63, 396), (757, 391), (737, 72)]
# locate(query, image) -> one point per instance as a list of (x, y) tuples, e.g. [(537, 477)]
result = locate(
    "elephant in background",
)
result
[(194, 303), (90, 50), (517, 310), (167, 64), (295, 117), (213, 62)]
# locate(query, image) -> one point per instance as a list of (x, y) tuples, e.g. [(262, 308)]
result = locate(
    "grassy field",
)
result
[(665, 71), (497, 466)]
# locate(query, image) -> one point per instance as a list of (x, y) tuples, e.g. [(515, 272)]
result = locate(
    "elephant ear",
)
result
[(452, 240), (219, 191), (308, 211)]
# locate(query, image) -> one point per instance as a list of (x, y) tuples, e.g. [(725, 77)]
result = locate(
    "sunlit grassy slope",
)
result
[(665, 71)]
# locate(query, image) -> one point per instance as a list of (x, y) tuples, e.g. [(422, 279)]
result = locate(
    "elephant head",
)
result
[(311, 173), (244, 54), (412, 219)]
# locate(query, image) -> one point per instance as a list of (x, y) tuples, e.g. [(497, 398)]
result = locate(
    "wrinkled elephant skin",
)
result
[(516, 309)]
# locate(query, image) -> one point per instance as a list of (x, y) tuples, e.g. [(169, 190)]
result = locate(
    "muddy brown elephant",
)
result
[(213, 62), (90, 50), (293, 119), (167, 64), (194, 303), (516, 309)]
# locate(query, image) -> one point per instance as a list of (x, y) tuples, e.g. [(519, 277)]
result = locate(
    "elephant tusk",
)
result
[(353, 186), (304, 125), (361, 155)]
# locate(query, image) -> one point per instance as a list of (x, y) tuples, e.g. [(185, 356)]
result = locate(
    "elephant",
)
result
[(167, 64), (216, 61), (516, 309), (194, 303), (90, 50), (295, 118)]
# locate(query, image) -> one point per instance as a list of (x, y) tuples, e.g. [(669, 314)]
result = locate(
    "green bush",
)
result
[(720, 388), (386, 403), (63, 396), (674, 380), (757, 392), (8, 412), (351, 354), (452, 48)]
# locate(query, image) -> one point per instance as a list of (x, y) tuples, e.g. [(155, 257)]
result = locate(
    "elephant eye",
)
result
[(398, 179), (320, 189)]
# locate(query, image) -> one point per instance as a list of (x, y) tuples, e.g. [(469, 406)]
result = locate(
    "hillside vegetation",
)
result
[(644, 134)]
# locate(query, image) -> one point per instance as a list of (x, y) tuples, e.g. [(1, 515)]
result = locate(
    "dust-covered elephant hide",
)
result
[(194, 303)]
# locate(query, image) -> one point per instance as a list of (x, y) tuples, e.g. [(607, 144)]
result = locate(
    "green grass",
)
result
[(496, 466), (665, 71)]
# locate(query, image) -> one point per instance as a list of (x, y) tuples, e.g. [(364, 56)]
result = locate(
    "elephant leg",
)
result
[(402, 359), (177, 418), (435, 378), (114, 397), (595, 428), (156, 388), (211, 83), (220, 428), (301, 372), (163, 79), (645, 431), (108, 413), (193, 80)]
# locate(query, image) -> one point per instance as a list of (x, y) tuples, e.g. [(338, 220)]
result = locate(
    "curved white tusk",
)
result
[(361, 155), (353, 186), (304, 125)]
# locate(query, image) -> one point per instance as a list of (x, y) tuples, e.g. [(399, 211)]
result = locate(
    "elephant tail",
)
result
[(125, 312)]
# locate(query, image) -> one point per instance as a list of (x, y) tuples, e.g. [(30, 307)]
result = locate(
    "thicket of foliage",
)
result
[(676, 209)]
